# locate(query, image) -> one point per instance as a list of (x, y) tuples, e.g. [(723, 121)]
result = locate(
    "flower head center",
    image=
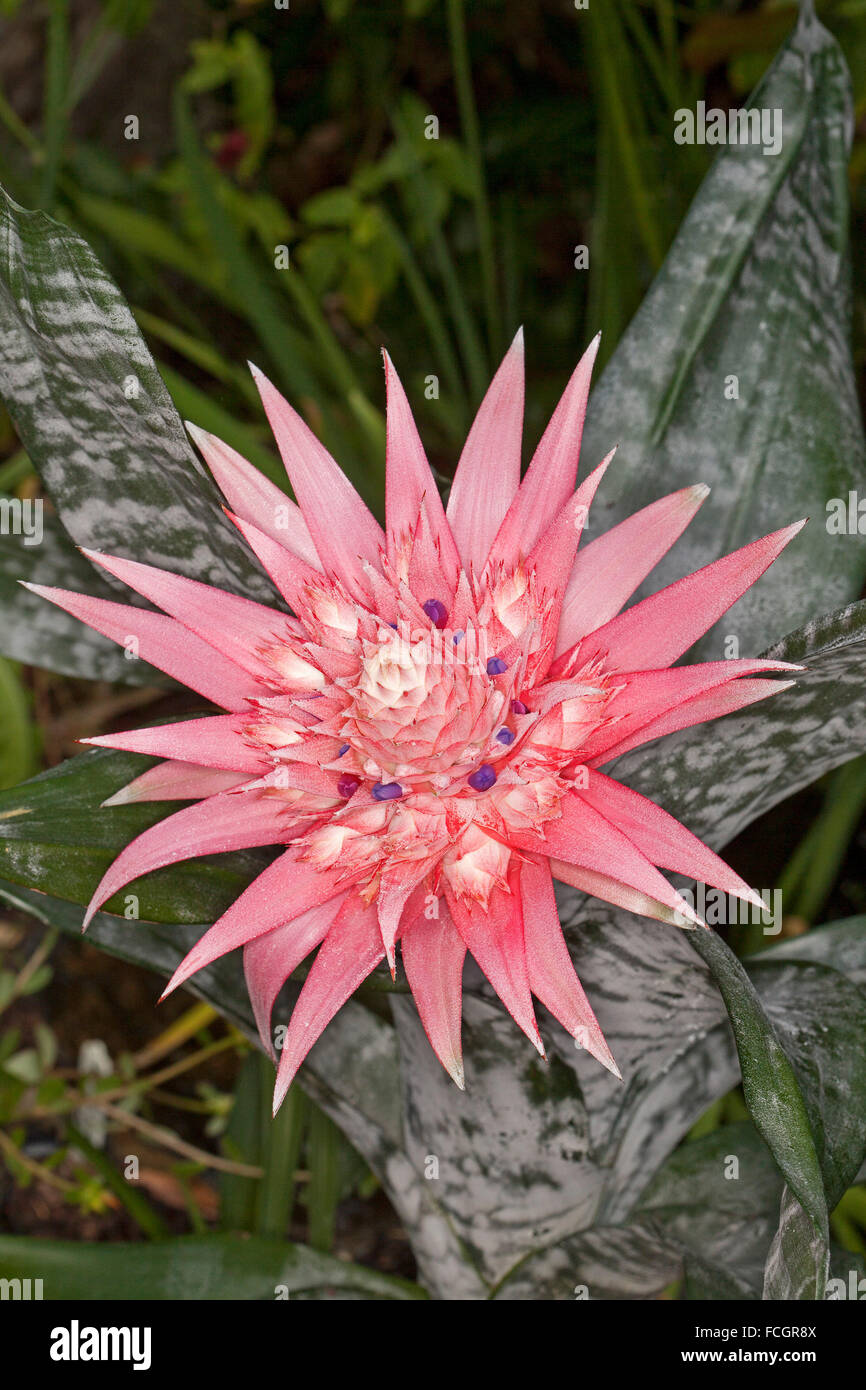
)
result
[(394, 675)]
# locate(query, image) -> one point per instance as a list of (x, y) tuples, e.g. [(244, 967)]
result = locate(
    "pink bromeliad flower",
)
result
[(424, 735)]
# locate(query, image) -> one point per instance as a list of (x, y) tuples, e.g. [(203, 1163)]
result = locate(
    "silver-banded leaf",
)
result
[(506, 1187), (703, 1281), (755, 287), (606, 1262), (95, 417), (721, 1222)]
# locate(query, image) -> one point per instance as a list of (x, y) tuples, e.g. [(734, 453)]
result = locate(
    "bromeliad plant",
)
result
[(424, 791), (425, 733)]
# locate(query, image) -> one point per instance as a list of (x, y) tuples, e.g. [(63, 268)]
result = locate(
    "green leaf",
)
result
[(55, 109), (266, 314), (256, 1136), (771, 1089), (94, 416), (245, 62), (756, 285), (205, 1268), (145, 234), (334, 207), (54, 836)]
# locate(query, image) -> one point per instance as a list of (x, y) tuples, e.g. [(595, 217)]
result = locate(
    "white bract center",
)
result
[(393, 676)]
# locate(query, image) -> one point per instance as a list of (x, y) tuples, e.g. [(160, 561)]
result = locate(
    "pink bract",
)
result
[(424, 735)]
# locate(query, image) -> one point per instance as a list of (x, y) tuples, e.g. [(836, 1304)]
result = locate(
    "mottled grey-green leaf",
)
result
[(756, 285), (95, 417)]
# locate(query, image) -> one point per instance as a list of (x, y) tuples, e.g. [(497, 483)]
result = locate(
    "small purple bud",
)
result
[(344, 748), (387, 791), (483, 778), (348, 785), (496, 666), (505, 736), (393, 625), (458, 637), (518, 707), (436, 612)]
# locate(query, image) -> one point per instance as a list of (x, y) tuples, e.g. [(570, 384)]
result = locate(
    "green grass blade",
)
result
[(471, 348), (242, 1141), (14, 471), (281, 1151), (434, 322), (323, 1193), (17, 750), (54, 113), (472, 137), (614, 70)]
